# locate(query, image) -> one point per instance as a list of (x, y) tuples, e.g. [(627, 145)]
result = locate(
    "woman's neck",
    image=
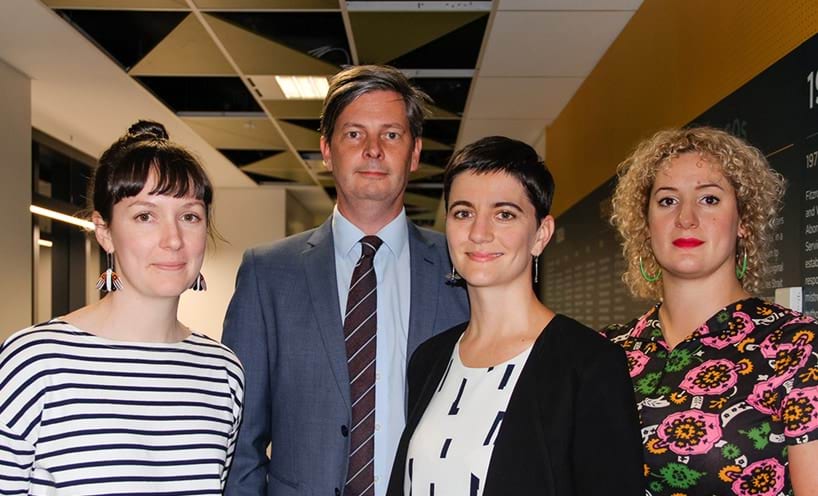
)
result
[(131, 318), (687, 304)]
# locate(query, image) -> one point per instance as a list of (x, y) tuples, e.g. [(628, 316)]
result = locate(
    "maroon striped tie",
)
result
[(360, 324)]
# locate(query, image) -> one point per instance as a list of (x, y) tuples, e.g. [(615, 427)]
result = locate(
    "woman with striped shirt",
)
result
[(119, 397)]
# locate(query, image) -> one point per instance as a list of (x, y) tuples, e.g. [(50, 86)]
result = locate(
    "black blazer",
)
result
[(571, 426)]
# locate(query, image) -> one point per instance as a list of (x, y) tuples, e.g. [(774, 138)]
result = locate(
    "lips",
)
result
[(687, 242), (169, 266), (482, 256)]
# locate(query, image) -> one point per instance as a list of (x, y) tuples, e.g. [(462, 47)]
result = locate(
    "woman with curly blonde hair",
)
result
[(726, 383)]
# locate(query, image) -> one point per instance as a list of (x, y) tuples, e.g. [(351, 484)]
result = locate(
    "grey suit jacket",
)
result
[(284, 323)]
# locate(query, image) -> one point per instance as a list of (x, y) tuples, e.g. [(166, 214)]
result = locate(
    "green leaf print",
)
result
[(647, 384), (760, 435), (679, 476)]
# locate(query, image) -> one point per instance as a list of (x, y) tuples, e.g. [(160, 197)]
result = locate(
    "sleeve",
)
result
[(238, 408), (16, 452), (245, 332), (799, 405), (16, 462), (607, 440)]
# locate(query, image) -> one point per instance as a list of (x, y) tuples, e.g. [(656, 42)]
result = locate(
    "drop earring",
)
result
[(108, 281), (453, 278), (199, 284)]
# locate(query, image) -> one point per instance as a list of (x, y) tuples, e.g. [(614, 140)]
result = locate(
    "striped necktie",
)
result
[(360, 324)]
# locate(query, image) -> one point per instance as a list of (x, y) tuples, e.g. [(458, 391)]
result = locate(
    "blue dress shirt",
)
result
[(393, 275)]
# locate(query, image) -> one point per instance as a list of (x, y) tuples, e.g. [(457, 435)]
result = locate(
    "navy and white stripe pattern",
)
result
[(451, 448), (84, 415)]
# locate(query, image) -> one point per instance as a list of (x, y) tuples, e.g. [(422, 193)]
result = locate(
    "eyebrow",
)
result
[(142, 203), (498, 204), (385, 125), (701, 186)]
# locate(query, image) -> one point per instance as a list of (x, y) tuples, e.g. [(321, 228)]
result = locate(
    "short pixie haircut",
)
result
[(509, 156), (350, 83), (759, 190), (146, 148)]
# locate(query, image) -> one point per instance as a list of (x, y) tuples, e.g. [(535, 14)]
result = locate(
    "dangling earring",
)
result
[(453, 278), (648, 277), (742, 270), (199, 284), (536, 268), (108, 281)]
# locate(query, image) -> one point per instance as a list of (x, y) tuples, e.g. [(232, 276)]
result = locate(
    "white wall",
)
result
[(245, 217), (15, 190)]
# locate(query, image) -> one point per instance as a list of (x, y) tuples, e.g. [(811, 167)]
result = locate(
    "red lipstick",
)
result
[(687, 242)]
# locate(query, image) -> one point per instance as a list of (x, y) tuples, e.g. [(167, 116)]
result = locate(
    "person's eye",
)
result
[(191, 217), (506, 215), (666, 201), (143, 217), (711, 200), (353, 134), (461, 214), (392, 135)]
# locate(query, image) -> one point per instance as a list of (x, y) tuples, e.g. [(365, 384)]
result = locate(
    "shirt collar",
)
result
[(346, 235)]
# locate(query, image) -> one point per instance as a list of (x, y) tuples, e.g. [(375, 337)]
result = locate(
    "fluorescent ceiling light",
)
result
[(303, 87), (61, 217), (45, 243)]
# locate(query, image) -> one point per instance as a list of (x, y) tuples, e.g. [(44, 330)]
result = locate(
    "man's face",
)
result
[(371, 152)]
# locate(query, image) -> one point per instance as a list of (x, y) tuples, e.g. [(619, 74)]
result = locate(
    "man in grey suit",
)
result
[(285, 321)]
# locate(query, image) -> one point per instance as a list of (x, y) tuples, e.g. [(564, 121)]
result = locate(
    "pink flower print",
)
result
[(711, 377), (765, 397), (762, 478), (636, 362), (691, 432), (736, 329), (800, 412)]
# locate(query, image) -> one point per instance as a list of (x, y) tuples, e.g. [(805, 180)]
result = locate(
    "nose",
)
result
[(373, 148), (171, 236), (480, 230), (687, 218)]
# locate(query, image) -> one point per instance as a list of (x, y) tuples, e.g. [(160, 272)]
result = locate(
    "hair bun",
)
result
[(143, 130)]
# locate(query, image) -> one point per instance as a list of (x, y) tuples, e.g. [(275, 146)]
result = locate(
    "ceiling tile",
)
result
[(521, 98), (201, 94), (458, 49), (301, 137), (448, 94), (550, 43), (117, 4), (405, 31), (268, 4), (293, 109), (319, 34), (234, 133), (284, 166), (526, 130), (187, 50), (569, 4), (255, 54), (246, 157), (126, 35)]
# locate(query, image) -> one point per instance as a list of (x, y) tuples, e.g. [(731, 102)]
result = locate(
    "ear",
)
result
[(102, 233), (543, 235), (413, 166), (325, 153)]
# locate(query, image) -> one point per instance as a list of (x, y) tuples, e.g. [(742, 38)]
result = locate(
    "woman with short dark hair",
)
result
[(518, 400), (119, 397)]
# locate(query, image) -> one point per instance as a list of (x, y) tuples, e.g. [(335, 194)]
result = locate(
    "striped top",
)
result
[(84, 415)]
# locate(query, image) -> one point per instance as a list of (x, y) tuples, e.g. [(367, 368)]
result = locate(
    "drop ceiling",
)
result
[(492, 67)]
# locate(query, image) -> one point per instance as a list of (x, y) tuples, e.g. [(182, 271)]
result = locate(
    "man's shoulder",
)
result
[(427, 236), (286, 247)]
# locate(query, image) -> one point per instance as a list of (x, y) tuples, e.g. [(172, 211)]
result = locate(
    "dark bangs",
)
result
[(177, 172)]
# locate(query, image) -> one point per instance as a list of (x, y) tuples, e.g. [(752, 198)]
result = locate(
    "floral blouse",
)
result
[(719, 411)]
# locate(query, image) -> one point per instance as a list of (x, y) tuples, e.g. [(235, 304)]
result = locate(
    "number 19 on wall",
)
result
[(812, 82)]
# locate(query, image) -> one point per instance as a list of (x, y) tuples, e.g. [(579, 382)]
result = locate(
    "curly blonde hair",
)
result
[(759, 190)]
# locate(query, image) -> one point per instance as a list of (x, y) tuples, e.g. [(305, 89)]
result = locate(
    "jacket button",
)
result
[(337, 492), (344, 432)]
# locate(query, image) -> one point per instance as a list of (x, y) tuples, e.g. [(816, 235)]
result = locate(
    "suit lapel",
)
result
[(319, 266), (425, 269)]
